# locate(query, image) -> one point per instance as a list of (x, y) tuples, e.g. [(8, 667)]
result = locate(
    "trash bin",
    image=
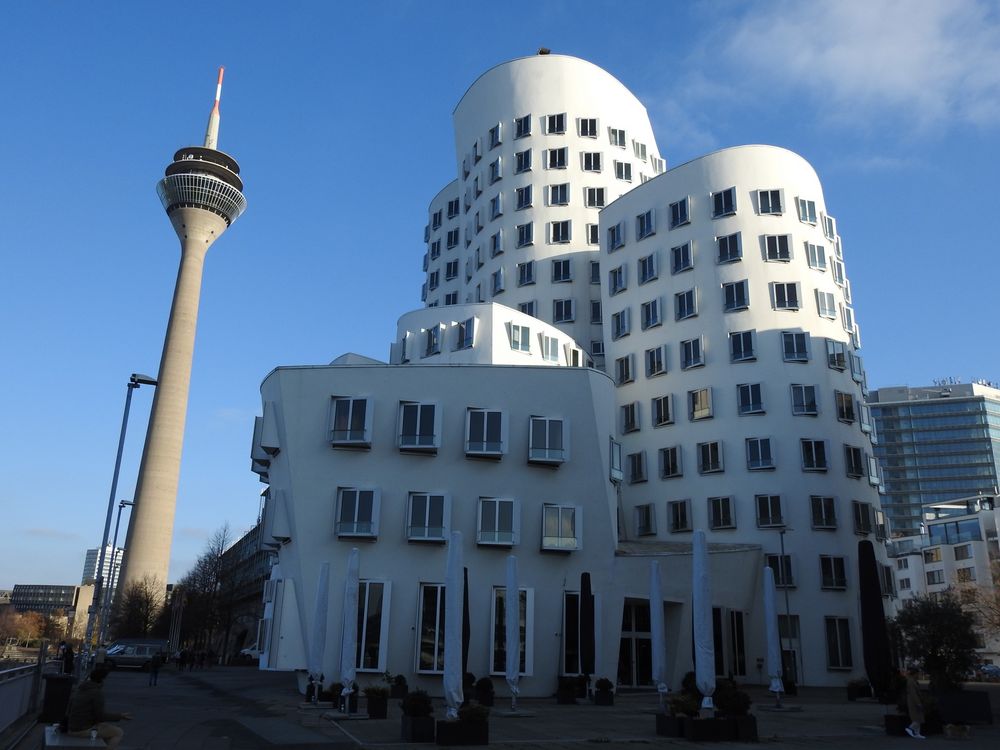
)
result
[(56, 700)]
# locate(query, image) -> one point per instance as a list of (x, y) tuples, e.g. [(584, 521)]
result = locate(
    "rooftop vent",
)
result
[(543, 50)]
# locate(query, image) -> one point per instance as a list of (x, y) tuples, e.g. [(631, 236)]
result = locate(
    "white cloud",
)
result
[(920, 63)]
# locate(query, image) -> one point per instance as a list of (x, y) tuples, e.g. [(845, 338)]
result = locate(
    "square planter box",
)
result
[(463, 733), (710, 730), (417, 729), (670, 726), (604, 698), (745, 727)]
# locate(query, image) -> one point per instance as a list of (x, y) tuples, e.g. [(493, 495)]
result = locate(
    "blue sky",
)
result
[(340, 116)]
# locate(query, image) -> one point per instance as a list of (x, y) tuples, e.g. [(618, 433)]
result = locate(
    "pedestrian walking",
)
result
[(86, 712), (154, 668), (914, 706)]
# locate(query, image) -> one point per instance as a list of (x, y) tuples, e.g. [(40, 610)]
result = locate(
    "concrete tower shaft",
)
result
[(202, 194)]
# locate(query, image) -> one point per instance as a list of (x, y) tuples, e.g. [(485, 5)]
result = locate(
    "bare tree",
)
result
[(202, 587), (138, 607)]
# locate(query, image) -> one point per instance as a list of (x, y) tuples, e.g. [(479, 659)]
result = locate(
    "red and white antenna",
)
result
[(212, 132)]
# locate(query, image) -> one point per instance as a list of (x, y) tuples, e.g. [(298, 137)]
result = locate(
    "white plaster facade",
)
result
[(822, 494)]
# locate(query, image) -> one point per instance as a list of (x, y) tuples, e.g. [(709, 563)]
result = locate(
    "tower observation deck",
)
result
[(202, 194)]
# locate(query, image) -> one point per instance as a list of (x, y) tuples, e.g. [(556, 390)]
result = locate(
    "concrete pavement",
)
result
[(239, 708)]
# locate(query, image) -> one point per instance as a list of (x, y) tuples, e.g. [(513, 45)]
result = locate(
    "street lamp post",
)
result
[(106, 606), (134, 381), (788, 610)]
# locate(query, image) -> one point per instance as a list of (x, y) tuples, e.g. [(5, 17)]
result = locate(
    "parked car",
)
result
[(137, 654), (988, 672)]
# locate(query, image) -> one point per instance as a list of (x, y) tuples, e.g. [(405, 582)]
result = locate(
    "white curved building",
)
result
[(542, 143), (713, 295)]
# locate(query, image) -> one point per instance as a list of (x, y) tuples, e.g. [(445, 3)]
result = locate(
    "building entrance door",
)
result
[(635, 655)]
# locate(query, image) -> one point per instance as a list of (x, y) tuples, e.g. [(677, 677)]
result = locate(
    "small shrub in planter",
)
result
[(604, 692), (730, 700), (684, 704), (484, 691), (417, 722), (377, 701), (398, 687)]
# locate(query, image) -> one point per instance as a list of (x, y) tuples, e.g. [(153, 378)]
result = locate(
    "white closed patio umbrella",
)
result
[(453, 589), (771, 633), (317, 640), (512, 627), (658, 631), (704, 643), (349, 639)]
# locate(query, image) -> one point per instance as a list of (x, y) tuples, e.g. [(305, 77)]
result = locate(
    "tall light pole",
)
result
[(109, 591), (135, 380), (788, 610)]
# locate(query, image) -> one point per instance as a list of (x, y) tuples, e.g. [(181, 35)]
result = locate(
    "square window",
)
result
[(700, 404), (546, 441), (520, 338), (710, 457), (636, 467), (645, 519), (778, 247), (588, 127), (749, 399), (816, 256), (838, 643), (639, 149), (453, 208), (692, 354), (813, 455), (720, 513), (560, 231), (836, 354), (528, 308), (623, 170), (427, 517), (525, 235), (616, 236), (559, 194), (526, 273), (593, 235), (594, 197), (724, 203), (432, 341), (833, 571), (845, 406), (759, 456), (679, 213), (496, 170), (824, 512), (685, 305), (558, 158), (555, 124), (561, 527), (466, 334), (621, 324), (595, 312), (730, 248), (795, 346), (498, 522), (769, 202), (550, 348), (781, 565), (768, 511), (785, 295), (561, 271), (357, 512), (497, 281), (853, 461), (522, 197), (522, 161), (624, 369), (522, 126), (663, 412), (741, 346), (679, 513), (484, 433), (804, 400), (496, 206), (645, 225), (829, 227), (681, 258), (736, 295), (651, 314), (350, 422), (616, 280), (670, 462), (807, 211), (825, 305), (616, 137), (592, 161), (418, 426), (451, 270), (630, 417), (647, 268), (656, 361)]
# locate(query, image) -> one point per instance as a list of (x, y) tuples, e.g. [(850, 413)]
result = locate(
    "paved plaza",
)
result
[(233, 708)]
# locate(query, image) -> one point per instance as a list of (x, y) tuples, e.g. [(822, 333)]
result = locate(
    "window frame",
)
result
[(355, 529), (427, 537)]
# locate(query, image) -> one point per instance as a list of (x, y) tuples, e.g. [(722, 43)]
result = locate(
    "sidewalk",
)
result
[(239, 708)]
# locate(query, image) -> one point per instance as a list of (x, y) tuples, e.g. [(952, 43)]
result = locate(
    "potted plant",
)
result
[(733, 706), (398, 687), (346, 704), (604, 692), (681, 707), (418, 719), (484, 691), (566, 691), (377, 701), (472, 727), (858, 688)]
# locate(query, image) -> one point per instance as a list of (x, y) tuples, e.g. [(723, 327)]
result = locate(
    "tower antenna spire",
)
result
[(212, 132)]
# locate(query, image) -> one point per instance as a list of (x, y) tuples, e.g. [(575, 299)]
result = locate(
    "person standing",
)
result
[(154, 668), (86, 712), (68, 658), (914, 707)]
